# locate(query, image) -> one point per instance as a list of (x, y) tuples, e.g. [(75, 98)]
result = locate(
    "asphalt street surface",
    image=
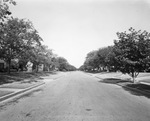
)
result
[(77, 96)]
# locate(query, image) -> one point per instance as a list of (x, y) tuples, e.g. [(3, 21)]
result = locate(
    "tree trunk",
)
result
[(9, 64), (134, 75), (133, 79), (37, 67)]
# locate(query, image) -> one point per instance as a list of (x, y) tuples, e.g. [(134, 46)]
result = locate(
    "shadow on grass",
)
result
[(5, 79), (143, 90), (127, 85)]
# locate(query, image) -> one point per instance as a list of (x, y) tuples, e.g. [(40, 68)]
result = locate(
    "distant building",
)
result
[(29, 66)]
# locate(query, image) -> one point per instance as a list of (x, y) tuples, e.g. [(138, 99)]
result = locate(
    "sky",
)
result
[(73, 28)]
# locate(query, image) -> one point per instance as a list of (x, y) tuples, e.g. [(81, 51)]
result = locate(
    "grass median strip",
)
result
[(141, 87)]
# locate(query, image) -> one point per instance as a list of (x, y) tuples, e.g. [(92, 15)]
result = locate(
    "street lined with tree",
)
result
[(130, 54), (21, 43), (76, 96)]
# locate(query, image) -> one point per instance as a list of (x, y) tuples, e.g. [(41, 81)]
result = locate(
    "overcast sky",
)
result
[(72, 28)]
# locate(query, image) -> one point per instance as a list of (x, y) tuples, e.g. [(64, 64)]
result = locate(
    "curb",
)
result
[(145, 83), (5, 97), (98, 77)]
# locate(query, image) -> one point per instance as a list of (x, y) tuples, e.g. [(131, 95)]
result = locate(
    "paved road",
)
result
[(77, 96)]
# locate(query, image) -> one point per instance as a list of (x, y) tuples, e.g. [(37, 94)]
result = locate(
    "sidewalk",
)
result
[(13, 89), (23, 85)]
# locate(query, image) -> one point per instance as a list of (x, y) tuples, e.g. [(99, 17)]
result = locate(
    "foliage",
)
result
[(20, 41), (89, 63), (132, 52), (17, 38), (63, 65), (4, 9), (97, 60)]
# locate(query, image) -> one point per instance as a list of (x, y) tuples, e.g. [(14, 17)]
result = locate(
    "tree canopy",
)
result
[(4, 9), (20, 41), (15, 39), (130, 54)]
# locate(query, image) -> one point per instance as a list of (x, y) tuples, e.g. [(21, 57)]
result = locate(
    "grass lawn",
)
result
[(112, 78), (20, 76), (143, 74), (142, 77)]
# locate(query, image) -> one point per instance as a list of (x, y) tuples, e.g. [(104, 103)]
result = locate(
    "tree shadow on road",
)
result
[(127, 85)]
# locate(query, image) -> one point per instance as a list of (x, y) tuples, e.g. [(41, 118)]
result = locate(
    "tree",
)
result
[(103, 54), (109, 59), (37, 56), (62, 63), (97, 60), (32, 42), (55, 64), (82, 67), (71, 68), (47, 57), (132, 52), (91, 61), (15, 39), (4, 9)]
